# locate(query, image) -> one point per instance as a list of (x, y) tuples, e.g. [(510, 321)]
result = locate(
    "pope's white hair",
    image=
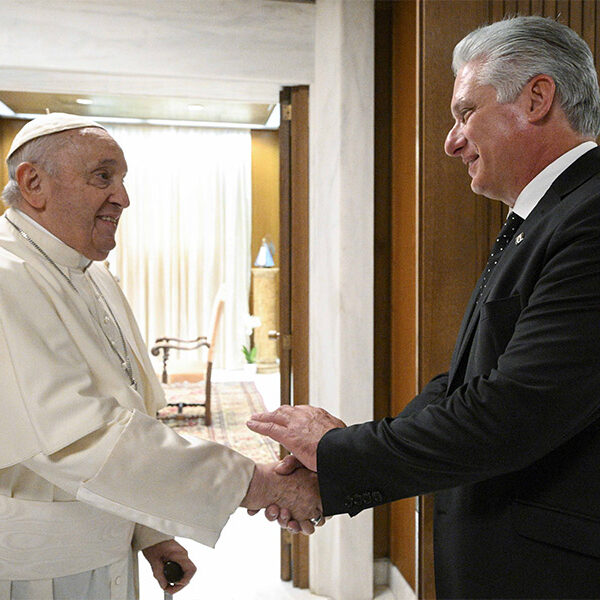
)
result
[(41, 151)]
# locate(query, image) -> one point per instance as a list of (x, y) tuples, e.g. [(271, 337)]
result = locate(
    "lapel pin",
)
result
[(519, 238)]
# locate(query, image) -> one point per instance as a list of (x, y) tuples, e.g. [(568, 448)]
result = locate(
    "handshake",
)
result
[(289, 489)]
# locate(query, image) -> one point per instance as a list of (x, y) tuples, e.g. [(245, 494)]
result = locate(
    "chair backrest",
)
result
[(217, 316)]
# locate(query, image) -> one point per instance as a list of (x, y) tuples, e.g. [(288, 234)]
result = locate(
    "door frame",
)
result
[(293, 290)]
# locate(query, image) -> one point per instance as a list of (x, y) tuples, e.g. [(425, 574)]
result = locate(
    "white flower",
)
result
[(251, 322)]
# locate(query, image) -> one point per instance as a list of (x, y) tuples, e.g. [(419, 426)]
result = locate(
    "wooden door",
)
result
[(8, 129), (423, 198), (293, 312)]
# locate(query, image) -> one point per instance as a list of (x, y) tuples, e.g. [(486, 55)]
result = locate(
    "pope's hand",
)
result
[(163, 552), (299, 429), (283, 516), (297, 492)]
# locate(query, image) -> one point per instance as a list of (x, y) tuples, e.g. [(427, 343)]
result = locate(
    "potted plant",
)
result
[(250, 356)]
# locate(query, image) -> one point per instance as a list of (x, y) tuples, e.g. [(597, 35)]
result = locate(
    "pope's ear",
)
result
[(30, 180), (541, 91)]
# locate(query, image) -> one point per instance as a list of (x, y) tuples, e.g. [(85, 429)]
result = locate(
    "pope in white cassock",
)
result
[(88, 476)]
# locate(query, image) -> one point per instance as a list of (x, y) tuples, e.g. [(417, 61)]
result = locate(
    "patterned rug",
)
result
[(232, 403)]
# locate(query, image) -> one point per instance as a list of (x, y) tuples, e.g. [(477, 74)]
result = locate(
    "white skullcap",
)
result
[(47, 124)]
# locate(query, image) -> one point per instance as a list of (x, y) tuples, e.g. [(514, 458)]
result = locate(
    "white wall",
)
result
[(341, 265)]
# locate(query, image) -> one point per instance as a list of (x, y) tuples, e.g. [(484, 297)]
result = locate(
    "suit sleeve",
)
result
[(542, 392), (434, 391)]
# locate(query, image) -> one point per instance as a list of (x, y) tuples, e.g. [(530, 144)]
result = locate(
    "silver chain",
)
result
[(125, 360)]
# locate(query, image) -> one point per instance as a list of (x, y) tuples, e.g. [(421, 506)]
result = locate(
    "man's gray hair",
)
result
[(515, 50), (39, 151)]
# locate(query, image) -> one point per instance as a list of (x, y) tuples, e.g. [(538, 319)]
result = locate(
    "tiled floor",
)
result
[(245, 563)]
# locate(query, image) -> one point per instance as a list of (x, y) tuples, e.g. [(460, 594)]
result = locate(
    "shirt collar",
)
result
[(532, 193), (56, 249)]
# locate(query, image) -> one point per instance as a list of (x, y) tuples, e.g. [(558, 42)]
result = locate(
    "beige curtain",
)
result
[(187, 232)]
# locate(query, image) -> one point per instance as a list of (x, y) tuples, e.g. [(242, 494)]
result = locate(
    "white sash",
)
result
[(43, 540)]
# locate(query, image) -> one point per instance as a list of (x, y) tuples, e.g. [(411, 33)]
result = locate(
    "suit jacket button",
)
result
[(367, 499), (348, 502), (377, 497), (357, 499)]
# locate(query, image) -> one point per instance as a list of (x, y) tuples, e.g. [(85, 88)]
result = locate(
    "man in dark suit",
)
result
[(509, 437)]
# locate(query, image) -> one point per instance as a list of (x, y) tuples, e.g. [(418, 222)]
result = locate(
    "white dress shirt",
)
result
[(533, 192)]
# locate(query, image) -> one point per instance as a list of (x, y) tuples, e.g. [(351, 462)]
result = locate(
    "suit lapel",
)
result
[(464, 337), (584, 168)]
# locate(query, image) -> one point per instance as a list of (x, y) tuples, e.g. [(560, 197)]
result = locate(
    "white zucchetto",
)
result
[(47, 124)]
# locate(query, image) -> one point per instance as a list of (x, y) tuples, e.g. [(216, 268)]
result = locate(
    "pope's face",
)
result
[(87, 195), (487, 137)]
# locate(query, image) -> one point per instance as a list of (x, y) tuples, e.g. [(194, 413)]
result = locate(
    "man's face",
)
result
[(87, 195), (487, 137)]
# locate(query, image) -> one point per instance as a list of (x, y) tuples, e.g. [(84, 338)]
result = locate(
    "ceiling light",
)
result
[(209, 124), (122, 120), (164, 122), (84, 101), (195, 106)]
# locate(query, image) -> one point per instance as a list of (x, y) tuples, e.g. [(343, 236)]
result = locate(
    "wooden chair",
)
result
[(166, 344)]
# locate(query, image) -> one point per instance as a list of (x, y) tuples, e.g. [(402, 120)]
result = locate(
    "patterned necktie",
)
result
[(506, 234)]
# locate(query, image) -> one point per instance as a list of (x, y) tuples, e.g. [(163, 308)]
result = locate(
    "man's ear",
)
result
[(540, 94), (30, 180)]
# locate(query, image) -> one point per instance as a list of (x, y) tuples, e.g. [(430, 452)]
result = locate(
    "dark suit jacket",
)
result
[(510, 436)]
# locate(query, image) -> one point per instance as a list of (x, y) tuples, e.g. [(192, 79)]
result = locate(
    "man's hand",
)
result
[(283, 516), (286, 466), (299, 429), (159, 554), (297, 491)]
